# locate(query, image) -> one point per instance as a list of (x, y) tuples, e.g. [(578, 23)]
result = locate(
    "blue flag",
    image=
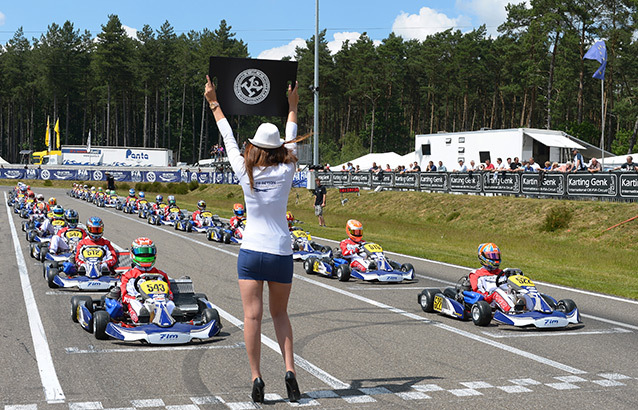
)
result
[(598, 52)]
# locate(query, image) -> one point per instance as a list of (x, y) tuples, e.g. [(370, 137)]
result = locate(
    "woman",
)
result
[(265, 173)]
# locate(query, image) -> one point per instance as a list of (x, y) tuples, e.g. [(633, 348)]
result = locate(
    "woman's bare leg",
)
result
[(278, 301), (252, 300)]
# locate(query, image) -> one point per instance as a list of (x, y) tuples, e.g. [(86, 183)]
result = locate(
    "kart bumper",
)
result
[(179, 333), (383, 276), (553, 320), (103, 283), (303, 255)]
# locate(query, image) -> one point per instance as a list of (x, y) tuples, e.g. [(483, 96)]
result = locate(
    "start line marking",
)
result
[(506, 335), (92, 349)]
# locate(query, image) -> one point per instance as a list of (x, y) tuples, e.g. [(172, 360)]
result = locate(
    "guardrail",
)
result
[(622, 186)]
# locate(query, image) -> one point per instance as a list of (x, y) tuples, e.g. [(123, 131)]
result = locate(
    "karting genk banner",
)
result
[(247, 86)]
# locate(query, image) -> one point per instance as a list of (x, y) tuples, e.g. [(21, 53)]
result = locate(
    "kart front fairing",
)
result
[(380, 268)]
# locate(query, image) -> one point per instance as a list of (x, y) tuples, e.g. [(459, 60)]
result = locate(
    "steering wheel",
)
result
[(145, 276), (501, 278)]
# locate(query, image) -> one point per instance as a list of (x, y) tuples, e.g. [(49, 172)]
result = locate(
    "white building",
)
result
[(524, 143)]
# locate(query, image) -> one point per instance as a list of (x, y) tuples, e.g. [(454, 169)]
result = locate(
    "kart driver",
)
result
[(131, 196), (95, 229), (48, 228), (483, 280), (60, 242), (142, 197), (171, 205), (291, 220), (240, 216), (352, 246), (143, 255), (197, 215), (158, 205)]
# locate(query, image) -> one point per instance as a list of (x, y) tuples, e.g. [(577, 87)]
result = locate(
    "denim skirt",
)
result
[(253, 265)]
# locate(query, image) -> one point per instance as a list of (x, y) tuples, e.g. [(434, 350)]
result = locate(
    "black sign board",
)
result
[(248, 86), (382, 178), (629, 185), (501, 182), (465, 182), (325, 178), (405, 180), (360, 179), (433, 181), (592, 184), (548, 183), (341, 178)]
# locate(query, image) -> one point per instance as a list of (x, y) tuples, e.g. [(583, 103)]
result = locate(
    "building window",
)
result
[(461, 140), (426, 149), (448, 141), (484, 155), (461, 150)]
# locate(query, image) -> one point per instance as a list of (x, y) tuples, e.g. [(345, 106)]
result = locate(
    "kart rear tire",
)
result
[(100, 320), (566, 305), (426, 299), (343, 272), (210, 314), (325, 249), (226, 237), (309, 265), (52, 272), (481, 313), (43, 253), (76, 301)]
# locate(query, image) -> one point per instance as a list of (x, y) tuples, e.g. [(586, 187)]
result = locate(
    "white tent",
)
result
[(2, 161), (382, 159), (612, 162)]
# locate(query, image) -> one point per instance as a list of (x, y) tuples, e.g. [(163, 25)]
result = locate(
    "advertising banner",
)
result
[(382, 178), (629, 185), (501, 183), (543, 184), (465, 182), (361, 179), (340, 178), (406, 180), (325, 178), (432, 181), (592, 184)]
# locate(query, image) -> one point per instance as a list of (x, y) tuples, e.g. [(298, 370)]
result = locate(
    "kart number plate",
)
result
[(521, 280), (207, 214), (299, 234), (316, 266), (151, 287), (58, 222), (174, 210), (93, 252), (143, 203), (373, 247), (73, 234), (162, 206), (438, 303)]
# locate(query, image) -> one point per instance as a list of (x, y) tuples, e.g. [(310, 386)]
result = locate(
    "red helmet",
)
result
[(354, 229), (239, 211), (290, 218), (489, 255)]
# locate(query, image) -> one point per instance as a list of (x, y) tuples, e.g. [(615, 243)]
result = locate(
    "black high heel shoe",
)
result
[(292, 387), (258, 390)]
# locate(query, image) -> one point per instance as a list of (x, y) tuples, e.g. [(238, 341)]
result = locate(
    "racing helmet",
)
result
[(92, 189), (131, 192), (113, 192), (290, 218), (489, 255), (354, 229), (31, 195), (143, 252), (39, 198), (159, 199), (85, 186), (171, 200), (239, 211), (142, 195), (23, 188), (40, 207), (53, 201), (58, 212), (100, 189), (95, 227), (201, 205), (71, 217)]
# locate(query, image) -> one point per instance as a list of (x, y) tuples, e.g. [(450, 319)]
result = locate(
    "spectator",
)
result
[(320, 201), (387, 168), (548, 166), (500, 166), (579, 162), (472, 166), (110, 182), (401, 169), (489, 166), (343, 168), (375, 168), (567, 167), (441, 167), (630, 165), (350, 167), (535, 167), (431, 167), (357, 169), (462, 167), (508, 166), (554, 166), (594, 166), (514, 165), (327, 167)]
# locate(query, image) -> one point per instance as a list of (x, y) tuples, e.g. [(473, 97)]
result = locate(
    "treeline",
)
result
[(148, 91)]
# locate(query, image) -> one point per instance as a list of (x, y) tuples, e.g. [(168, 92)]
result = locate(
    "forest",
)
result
[(373, 97)]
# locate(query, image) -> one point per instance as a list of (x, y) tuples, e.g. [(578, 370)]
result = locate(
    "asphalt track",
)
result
[(357, 344)]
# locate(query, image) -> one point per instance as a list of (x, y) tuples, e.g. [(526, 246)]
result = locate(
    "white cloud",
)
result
[(287, 50), (339, 38), (427, 22), (130, 31), (2, 19), (489, 12)]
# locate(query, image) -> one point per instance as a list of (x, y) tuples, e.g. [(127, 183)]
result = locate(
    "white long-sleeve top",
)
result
[(266, 205)]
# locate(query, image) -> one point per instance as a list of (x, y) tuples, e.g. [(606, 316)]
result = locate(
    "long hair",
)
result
[(255, 156)]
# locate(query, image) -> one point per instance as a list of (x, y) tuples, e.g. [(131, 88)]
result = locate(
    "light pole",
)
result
[(315, 90)]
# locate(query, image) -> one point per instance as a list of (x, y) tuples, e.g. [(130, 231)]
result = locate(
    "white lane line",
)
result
[(299, 361), (52, 388), (613, 322), (92, 349), (384, 287), (503, 335), (510, 349), (584, 292)]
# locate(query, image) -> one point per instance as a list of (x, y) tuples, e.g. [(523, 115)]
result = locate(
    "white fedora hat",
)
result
[(267, 136)]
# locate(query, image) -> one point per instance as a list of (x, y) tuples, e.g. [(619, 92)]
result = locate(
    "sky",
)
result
[(271, 28)]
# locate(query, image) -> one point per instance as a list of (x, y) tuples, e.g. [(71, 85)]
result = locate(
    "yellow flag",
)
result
[(57, 133), (46, 137)]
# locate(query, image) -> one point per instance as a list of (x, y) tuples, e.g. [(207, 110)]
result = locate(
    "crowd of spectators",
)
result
[(217, 152)]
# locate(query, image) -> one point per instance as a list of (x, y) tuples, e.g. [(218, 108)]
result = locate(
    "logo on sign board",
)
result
[(150, 176), (251, 86), (45, 174), (97, 176)]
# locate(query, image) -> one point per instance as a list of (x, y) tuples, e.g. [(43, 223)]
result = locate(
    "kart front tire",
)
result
[(100, 320), (426, 299), (210, 314), (566, 305), (76, 302), (343, 273), (226, 237), (481, 313), (309, 265), (51, 274)]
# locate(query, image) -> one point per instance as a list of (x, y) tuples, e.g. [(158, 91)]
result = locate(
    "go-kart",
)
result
[(33, 235), (88, 277), (40, 250), (531, 308), (192, 318), (100, 199), (380, 269), (174, 214), (111, 201), (143, 208), (304, 247), (129, 206), (190, 226), (223, 232)]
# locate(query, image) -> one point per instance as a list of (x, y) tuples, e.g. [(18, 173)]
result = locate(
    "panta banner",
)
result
[(248, 86)]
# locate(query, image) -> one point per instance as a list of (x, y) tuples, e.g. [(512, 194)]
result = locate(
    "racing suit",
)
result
[(235, 222), (483, 281), (167, 211), (60, 242), (130, 294), (158, 208), (48, 229), (352, 251), (134, 198), (197, 218), (110, 256)]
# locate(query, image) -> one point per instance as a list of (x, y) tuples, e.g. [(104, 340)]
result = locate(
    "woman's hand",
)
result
[(209, 92), (293, 96)]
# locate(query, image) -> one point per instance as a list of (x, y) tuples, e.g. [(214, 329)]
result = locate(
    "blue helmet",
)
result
[(71, 217), (159, 199), (95, 227), (131, 192), (142, 195)]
